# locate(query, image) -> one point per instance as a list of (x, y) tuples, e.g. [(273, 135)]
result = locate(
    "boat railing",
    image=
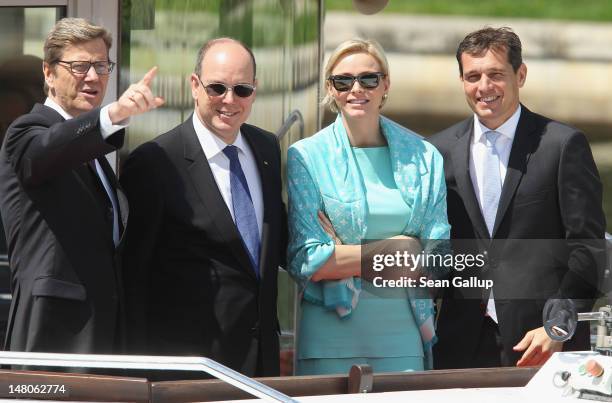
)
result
[(141, 362), (295, 116)]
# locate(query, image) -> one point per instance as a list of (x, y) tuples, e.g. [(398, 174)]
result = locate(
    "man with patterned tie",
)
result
[(63, 212), (208, 226), (513, 175)]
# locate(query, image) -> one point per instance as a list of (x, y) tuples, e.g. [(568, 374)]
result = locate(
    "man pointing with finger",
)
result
[(63, 212)]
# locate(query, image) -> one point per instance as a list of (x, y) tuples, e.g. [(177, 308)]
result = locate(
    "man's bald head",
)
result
[(219, 41)]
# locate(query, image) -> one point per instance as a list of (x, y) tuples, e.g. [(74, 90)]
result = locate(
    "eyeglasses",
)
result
[(219, 89), (81, 67), (345, 82)]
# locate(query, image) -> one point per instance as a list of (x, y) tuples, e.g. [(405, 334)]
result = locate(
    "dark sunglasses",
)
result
[(219, 89), (345, 83)]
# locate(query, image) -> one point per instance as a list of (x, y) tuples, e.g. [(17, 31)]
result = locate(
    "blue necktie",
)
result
[(491, 183), (244, 212)]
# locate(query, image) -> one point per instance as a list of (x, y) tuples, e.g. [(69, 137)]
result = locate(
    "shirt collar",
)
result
[(55, 106), (507, 129), (210, 142)]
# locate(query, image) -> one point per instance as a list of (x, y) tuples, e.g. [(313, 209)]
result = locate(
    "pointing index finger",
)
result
[(146, 80)]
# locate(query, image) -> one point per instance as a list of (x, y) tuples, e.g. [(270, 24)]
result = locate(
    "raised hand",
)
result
[(137, 99)]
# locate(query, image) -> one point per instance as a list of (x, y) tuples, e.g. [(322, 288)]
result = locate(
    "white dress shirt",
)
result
[(220, 166), (106, 129), (478, 148)]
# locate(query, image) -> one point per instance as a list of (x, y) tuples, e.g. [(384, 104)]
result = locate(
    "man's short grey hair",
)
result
[(72, 31)]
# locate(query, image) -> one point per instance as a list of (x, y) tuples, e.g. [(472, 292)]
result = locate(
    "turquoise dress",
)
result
[(381, 331), (374, 193)]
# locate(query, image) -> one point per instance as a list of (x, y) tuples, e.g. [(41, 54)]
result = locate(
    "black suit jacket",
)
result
[(190, 286), (65, 273), (551, 192)]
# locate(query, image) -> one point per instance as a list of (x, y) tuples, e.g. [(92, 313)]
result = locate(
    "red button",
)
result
[(594, 369)]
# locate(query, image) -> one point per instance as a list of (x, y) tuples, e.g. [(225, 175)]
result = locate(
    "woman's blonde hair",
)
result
[(356, 45)]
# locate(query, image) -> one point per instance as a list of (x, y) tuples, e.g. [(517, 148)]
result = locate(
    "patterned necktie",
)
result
[(491, 182), (244, 212)]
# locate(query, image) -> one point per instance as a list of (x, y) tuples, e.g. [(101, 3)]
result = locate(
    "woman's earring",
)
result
[(384, 100)]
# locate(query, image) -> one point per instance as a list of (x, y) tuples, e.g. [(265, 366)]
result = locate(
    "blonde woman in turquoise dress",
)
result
[(363, 177)]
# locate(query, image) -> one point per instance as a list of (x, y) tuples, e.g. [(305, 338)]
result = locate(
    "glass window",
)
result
[(283, 35), (23, 31)]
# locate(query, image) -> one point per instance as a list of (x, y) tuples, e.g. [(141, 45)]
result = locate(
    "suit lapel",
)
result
[(461, 157), (206, 187), (263, 165), (83, 176), (517, 164)]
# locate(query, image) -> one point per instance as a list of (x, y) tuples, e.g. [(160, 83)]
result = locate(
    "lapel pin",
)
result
[(265, 162)]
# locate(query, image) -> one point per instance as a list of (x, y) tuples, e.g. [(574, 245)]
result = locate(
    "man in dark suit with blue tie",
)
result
[(62, 209), (208, 226), (519, 185)]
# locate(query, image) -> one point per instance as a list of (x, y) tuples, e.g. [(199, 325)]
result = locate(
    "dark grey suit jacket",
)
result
[(190, 286), (551, 191), (65, 267)]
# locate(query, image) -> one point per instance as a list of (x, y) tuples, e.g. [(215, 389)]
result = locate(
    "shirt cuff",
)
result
[(107, 128)]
